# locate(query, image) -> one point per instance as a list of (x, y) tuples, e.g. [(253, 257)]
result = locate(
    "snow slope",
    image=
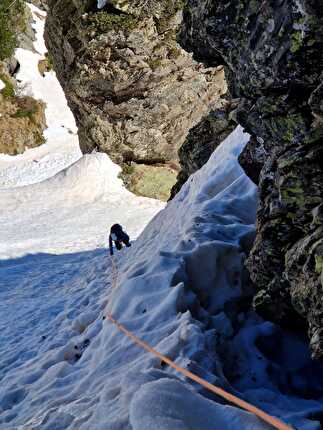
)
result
[(71, 211), (64, 202), (182, 288)]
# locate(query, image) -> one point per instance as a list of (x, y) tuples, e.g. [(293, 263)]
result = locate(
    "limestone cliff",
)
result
[(272, 51), (134, 91)]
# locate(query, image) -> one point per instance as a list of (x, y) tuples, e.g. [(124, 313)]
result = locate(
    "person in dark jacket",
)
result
[(118, 236)]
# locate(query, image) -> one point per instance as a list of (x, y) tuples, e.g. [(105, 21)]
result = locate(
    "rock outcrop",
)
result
[(272, 51), (134, 91), (203, 139), (22, 119)]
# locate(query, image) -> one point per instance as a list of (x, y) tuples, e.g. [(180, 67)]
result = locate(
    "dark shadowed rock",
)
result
[(272, 51), (202, 140)]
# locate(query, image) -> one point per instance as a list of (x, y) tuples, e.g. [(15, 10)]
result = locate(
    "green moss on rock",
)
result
[(155, 63), (8, 91), (22, 123), (296, 41), (171, 8), (11, 21), (149, 181), (103, 22)]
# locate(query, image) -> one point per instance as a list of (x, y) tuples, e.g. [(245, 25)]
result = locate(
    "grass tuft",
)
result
[(10, 21), (8, 91), (103, 22)]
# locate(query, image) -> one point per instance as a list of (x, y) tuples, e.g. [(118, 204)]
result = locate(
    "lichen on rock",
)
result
[(149, 180), (273, 60)]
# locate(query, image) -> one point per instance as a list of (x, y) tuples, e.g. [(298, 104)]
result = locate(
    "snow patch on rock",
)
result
[(61, 148), (101, 3)]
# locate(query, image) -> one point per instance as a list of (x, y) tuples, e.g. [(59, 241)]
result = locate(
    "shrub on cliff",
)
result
[(8, 90), (104, 22)]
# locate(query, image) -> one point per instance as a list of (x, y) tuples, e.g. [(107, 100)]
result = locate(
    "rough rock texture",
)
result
[(15, 28), (273, 56), (134, 92), (25, 32), (154, 181), (202, 140), (41, 4), (22, 119)]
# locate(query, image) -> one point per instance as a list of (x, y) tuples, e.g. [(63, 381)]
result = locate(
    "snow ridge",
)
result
[(151, 292)]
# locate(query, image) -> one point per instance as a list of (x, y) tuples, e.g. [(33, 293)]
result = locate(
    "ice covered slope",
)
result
[(181, 288)]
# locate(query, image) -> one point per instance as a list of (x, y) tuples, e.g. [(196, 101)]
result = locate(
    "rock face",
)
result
[(22, 122), (22, 119), (145, 180), (134, 92), (272, 52), (202, 140)]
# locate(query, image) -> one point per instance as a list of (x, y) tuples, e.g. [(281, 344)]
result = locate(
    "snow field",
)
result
[(148, 306), (181, 288), (72, 211)]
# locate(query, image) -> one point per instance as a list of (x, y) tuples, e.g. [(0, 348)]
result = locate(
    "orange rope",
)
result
[(114, 272), (275, 422)]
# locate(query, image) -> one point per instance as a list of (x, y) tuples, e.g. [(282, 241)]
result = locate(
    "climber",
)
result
[(118, 236)]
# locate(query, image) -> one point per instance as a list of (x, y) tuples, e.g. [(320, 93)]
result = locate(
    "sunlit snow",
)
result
[(73, 210)]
